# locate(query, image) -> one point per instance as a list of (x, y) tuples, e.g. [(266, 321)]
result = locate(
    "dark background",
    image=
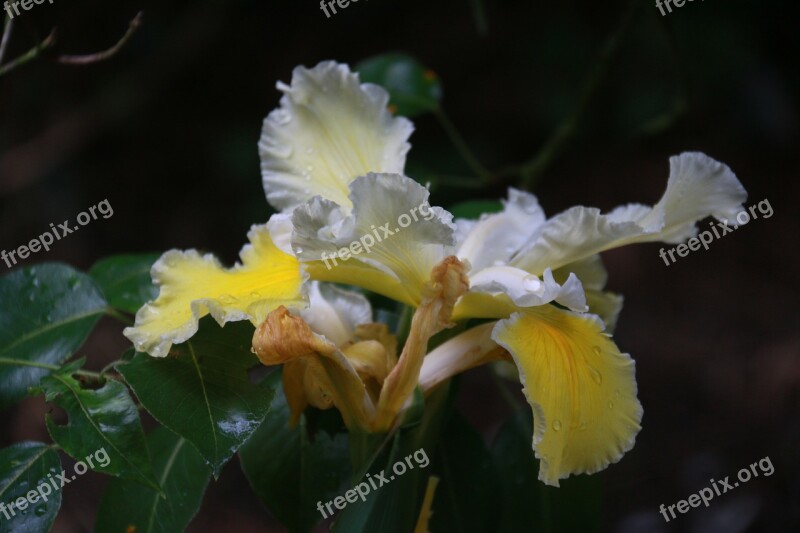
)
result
[(167, 132)]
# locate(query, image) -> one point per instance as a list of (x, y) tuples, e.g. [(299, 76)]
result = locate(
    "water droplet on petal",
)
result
[(532, 283), (610, 405), (597, 350), (596, 376), (298, 250), (557, 425)]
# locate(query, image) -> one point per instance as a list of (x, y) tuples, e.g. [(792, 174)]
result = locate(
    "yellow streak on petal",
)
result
[(192, 286), (581, 388), (355, 273)]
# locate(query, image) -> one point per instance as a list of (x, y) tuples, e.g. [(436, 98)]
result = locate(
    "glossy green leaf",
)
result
[(527, 504), (48, 311), (100, 419), (125, 280), (475, 208), (24, 470), (413, 89), (467, 495), (183, 475), (291, 471), (202, 391)]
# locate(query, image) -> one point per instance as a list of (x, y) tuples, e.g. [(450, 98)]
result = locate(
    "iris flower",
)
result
[(332, 161)]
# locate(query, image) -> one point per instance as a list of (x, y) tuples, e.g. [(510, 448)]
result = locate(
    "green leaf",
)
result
[(183, 475), (413, 89), (103, 419), (202, 391), (24, 467), (291, 471), (474, 209), (466, 498), (395, 507), (125, 280), (48, 311), (527, 504)]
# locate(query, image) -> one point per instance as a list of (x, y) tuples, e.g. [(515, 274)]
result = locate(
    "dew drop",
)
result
[(298, 250), (610, 405), (596, 376), (597, 350), (557, 425), (532, 284)]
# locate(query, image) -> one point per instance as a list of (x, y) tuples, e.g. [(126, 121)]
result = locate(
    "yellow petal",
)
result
[(581, 388), (192, 286)]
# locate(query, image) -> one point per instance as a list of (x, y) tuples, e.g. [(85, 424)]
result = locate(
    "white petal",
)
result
[(334, 313), (329, 129), (382, 202), (527, 290), (698, 186), (496, 237)]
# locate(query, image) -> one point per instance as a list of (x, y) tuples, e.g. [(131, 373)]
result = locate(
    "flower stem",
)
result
[(460, 144)]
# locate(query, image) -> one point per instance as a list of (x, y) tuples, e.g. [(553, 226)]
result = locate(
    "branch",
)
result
[(102, 56), (9, 24), (30, 55)]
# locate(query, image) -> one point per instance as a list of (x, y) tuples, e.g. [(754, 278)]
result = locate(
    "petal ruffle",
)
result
[(194, 285), (388, 244), (698, 186), (329, 130), (581, 388), (527, 290)]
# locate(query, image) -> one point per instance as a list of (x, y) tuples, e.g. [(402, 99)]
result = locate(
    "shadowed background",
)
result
[(167, 132)]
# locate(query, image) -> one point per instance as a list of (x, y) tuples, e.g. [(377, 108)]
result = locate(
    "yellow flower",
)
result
[(332, 161)]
